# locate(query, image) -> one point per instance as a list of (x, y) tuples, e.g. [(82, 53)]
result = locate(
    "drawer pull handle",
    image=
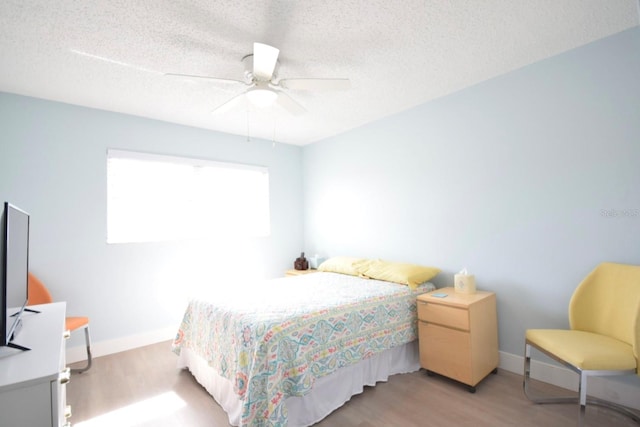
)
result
[(65, 376), (66, 334)]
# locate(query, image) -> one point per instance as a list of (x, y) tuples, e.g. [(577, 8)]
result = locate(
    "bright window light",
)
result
[(138, 413), (158, 198)]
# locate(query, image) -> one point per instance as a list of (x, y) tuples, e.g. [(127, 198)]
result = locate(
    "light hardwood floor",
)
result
[(143, 388)]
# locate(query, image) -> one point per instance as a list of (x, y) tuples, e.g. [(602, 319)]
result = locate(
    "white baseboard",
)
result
[(104, 348), (623, 392)]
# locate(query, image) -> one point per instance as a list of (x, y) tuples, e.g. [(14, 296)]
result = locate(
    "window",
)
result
[(156, 198)]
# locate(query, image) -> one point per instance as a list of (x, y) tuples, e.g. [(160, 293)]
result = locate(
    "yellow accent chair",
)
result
[(39, 294), (604, 339)]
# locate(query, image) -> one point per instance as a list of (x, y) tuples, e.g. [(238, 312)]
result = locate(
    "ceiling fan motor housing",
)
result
[(249, 77)]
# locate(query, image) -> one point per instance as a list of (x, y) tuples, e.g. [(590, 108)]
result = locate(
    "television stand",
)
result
[(28, 310), (11, 344), (17, 346)]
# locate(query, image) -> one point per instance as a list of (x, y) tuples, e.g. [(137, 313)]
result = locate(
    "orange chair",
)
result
[(39, 294)]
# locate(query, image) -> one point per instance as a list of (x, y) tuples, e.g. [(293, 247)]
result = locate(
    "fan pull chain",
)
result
[(248, 127), (273, 143)]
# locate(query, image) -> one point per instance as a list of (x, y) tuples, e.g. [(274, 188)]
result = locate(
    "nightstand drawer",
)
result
[(444, 315), (446, 351)]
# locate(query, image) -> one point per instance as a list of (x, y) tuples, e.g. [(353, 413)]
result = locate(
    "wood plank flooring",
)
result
[(143, 388)]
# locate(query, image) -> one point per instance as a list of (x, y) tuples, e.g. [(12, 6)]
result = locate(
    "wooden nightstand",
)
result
[(458, 335), (292, 272)]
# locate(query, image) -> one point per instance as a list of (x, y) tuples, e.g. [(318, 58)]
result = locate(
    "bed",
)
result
[(289, 351)]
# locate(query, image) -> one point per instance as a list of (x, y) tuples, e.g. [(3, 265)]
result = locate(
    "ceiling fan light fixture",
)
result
[(262, 97)]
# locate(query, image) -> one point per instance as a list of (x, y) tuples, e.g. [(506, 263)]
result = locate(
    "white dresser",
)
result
[(32, 383)]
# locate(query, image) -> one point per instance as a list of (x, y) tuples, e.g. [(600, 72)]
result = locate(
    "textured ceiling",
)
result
[(113, 55)]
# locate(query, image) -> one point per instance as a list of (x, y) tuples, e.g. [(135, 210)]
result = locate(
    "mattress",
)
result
[(272, 341)]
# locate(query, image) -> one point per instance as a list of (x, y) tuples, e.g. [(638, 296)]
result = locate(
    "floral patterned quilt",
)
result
[(273, 339)]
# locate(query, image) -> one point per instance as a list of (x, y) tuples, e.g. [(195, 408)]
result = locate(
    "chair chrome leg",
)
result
[(582, 389), (527, 379), (88, 344), (581, 398), (614, 407)]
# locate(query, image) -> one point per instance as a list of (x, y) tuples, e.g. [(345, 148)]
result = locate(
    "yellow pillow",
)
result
[(343, 265), (397, 272)]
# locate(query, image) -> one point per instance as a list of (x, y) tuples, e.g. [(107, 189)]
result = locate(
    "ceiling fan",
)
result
[(264, 89)]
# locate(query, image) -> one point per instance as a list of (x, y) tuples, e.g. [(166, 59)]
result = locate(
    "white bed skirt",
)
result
[(328, 393)]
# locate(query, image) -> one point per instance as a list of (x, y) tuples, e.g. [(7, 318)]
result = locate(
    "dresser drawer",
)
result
[(453, 317)]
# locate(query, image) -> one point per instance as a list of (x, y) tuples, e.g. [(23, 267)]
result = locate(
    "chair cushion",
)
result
[(73, 323), (584, 350)]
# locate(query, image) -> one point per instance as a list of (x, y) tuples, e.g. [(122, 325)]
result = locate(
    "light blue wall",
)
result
[(53, 165), (508, 178)]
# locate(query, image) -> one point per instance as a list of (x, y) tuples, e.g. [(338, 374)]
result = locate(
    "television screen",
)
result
[(15, 270)]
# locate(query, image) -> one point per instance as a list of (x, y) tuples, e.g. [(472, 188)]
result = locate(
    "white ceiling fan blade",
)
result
[(192, 76), (264, 61), (235, 102), (286, 102), (316, 84)]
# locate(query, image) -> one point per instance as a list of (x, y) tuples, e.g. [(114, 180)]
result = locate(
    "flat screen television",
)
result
[(14, 272)]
